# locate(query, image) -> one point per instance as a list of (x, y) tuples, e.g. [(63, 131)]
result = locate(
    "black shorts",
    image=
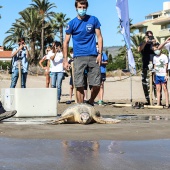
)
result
[(103, 77)]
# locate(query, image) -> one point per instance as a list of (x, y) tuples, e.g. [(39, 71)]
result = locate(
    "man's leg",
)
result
[(59, 84), (94, 77), (23, 80), (80, 63), (53, 79), (80, 94), (145, 84), (14, 78), (94, 93)]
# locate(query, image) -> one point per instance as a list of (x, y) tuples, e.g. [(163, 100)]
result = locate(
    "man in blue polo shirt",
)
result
[(84, 29)]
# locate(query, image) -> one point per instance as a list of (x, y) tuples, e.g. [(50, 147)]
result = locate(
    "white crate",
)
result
[(30, 102)]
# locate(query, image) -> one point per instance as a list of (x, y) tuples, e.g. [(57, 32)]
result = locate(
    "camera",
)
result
[(151, 38)]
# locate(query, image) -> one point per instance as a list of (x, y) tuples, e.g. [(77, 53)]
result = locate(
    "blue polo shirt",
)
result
[(103, 66), (83, 35)]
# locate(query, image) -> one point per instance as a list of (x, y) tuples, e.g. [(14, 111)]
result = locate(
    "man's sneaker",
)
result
[(89, 103), (147, 103), (100, 103), (141, 105), (68, 102), (136, 106), (7, 115)]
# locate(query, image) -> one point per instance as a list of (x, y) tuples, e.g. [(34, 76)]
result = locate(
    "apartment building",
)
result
[(157, 22)]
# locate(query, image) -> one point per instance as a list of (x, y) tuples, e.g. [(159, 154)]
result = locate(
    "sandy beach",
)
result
[(136, 124)]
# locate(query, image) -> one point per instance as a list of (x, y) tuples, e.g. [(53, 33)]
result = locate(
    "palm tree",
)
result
[(61, 22), (14, 34), (43, 7), (30, 22), (136, 41)]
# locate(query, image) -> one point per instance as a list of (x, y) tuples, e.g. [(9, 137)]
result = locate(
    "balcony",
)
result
[(164, 32)]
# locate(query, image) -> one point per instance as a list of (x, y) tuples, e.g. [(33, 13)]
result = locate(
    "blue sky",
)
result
[(105, 11)]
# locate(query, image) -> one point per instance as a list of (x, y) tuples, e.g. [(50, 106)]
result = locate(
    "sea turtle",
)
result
[(83, 114)]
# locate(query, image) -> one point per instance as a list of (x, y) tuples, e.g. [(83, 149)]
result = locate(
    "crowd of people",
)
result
[(89, 61), (154, 60)]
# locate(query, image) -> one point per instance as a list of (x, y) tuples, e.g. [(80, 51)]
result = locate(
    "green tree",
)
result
[(61, 22), (30, 22), (44, 9), (136, 41), (14, 34), (110, 59)]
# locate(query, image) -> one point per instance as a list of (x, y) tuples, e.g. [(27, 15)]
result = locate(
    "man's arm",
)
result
[(162, 45), (105, 59), (16, 51), (100, 45), (142, 46), (53, 56), (65, 51)]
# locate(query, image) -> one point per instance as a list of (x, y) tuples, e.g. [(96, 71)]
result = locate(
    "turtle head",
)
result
[(84, 117)]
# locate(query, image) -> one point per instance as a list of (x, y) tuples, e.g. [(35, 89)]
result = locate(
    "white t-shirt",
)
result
[(56, 65), (160, 64), (167, 47)]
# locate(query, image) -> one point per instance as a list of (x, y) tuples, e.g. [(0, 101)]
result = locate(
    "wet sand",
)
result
[(140, 141), (35, 154)]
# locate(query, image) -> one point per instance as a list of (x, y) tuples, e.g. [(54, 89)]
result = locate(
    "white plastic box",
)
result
[(30, 102)]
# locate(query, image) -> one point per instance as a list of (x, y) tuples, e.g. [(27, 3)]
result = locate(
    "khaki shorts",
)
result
[(93, 75)]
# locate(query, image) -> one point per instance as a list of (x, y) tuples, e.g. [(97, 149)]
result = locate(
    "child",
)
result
[(160, 62), (103, 76)]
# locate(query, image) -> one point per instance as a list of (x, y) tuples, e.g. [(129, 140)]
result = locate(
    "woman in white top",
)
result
[(56, 67), (46, 67)]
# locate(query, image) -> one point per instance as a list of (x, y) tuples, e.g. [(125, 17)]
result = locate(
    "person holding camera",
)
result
[(19, 56), (56, 67), (147, 55)]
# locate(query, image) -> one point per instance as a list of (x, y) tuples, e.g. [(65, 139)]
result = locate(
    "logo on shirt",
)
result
[(89, 27), (67, 28)]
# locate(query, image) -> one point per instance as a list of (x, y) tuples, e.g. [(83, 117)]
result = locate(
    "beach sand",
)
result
[(136, 124)]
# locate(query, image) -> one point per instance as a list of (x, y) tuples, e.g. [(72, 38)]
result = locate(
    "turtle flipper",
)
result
[(103, 120), (61, 120)]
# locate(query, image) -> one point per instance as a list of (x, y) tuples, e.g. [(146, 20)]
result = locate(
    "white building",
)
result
[(157, 22)]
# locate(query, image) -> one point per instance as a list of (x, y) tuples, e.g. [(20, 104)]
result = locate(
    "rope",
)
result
[(124, 78)]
